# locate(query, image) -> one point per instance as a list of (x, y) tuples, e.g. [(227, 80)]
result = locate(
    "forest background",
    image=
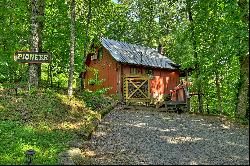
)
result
[(211, 37)]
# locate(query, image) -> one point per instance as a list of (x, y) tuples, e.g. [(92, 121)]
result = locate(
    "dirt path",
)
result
[(138, 136)]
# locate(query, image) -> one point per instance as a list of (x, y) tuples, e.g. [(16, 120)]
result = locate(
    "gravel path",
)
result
[(142, 137)]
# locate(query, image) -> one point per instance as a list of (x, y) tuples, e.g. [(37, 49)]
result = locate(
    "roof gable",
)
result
[(137, 55)]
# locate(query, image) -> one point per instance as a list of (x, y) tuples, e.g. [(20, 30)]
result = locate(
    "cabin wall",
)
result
[(162, 80), (108, 70)]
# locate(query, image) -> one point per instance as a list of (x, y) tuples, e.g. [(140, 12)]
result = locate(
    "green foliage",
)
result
[(32, 90), (221, 32), (17, 138), (14, 31), (95, 80), (96, 100), (217, 29), (44, 121)]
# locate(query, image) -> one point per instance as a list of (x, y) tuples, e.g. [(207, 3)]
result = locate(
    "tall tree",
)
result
[(86, 40), (196, 65), (72, 46), (87, 31), (36, 41), (243, 94), (217, 84)]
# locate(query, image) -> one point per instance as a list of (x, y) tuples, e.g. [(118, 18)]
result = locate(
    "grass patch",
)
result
[(45, 121), (17, 138)]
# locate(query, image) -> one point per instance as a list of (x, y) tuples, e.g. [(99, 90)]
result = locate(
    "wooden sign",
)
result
[(32, 57)]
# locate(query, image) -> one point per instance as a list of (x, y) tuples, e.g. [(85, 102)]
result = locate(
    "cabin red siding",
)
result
[(161, 82), (108, 71)]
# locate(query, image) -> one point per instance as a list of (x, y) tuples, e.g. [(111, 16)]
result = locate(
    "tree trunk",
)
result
[(36, 41), (41, 8), (197, 68), (243, 95), (87, 32), (72, 47), (242, 109), (217, 84), (86, 42)]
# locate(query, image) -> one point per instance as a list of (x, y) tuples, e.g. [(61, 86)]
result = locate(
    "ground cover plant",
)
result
[(44, 120)]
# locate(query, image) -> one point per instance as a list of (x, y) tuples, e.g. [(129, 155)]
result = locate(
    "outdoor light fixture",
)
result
[(29, 155)]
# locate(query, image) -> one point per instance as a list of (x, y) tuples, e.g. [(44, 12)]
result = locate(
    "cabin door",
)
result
[(136, 88)]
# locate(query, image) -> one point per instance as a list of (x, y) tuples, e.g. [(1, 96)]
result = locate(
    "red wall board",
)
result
[(107, 68), (162, 81)]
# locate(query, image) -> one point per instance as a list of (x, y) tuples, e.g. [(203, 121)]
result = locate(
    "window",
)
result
[(133, 70), (93, 57)]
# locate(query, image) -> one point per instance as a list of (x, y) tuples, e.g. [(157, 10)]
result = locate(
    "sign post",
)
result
[(32, 57)]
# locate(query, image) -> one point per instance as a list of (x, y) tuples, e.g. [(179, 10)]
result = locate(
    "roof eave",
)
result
[(155, 67)]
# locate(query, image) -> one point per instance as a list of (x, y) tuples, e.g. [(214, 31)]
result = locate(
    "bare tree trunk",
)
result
[(242, 109), (87, 33), (197, 67), (33, 68), (41, 9), (243, 95), (50, 79), (72, 47), (36, 41), (217, 84)]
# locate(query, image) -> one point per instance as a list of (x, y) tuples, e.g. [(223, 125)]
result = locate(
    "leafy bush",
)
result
[(96, 100)]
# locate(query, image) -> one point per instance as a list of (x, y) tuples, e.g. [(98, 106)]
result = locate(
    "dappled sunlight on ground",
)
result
[(149, 137), (100, 134), (235, 144), (140, 125), (73, 102), (89, 153), (70, 125), (162, 130), (193, 163), (179, 139), (44, 122), (225, 126)]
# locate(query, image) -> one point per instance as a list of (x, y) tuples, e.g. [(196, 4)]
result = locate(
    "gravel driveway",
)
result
[(143, 137)]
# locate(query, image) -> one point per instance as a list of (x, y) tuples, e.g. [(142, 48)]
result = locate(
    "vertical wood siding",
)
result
[(162, 82), (108, 70)]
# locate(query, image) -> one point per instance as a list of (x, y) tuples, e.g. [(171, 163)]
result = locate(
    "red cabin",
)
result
[(114, 61)]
